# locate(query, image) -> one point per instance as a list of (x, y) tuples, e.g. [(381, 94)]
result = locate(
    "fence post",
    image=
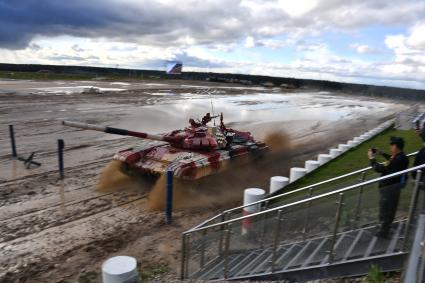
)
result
[(412, 208), (61, 146), (422, 263), (183, 263), (264, 226), (359, 200), (224, 217), (279, 220), (203, 240), (307, 216), (169, 198), (12, 141), (340, 203), (227, 233), (187, 256)]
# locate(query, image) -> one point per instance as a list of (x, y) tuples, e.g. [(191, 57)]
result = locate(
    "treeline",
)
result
[(363, 89)]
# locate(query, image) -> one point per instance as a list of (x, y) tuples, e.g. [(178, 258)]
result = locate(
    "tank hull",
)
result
[(187, 164)]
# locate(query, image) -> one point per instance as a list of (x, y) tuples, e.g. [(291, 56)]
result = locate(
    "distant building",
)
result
[(174, 68)]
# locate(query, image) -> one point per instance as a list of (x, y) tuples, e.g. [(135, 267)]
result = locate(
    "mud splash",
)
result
[(205, 193), (113, 179), (218, 190), (278, 141)]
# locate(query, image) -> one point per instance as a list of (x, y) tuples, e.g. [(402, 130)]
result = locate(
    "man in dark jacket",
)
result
[(389, 189)]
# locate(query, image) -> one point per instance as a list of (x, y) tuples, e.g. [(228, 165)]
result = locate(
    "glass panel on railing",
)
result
[(202, 250)]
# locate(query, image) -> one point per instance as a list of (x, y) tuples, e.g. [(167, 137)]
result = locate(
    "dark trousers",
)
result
[(389, 197)]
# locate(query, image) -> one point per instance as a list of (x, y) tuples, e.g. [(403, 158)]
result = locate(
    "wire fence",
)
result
[(329, 185), (270, 235)]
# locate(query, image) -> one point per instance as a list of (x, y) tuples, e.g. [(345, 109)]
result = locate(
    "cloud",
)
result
[(77, 48), (416, 39), (408, 51), (364, 49), (297, 8), (142, 34), (151, 22), (193, 22), (249, 42)]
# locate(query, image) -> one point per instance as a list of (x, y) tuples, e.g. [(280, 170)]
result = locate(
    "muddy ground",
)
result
[(61, 231)]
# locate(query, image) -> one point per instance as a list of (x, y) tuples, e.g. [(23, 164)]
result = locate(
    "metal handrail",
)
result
[(287, 193), (349, 188)]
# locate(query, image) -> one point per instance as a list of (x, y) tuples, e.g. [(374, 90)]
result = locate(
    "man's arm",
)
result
[(386, 155), (396, 164), (380, 168)]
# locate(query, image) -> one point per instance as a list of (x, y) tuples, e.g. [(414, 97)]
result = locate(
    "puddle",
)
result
[(67, 90), (171, 111), (120, 83)]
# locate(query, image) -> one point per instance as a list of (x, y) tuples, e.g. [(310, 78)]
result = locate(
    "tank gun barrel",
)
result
[(118, 131)]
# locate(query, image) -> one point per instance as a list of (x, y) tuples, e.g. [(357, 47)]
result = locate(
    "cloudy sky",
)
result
[(365, 41)]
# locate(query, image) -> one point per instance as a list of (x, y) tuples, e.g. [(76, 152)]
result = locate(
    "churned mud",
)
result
[(62, 230)]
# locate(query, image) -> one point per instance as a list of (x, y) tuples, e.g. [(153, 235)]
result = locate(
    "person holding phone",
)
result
[(389, 189)]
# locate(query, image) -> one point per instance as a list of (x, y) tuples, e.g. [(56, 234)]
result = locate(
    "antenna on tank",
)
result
[(212, 107)]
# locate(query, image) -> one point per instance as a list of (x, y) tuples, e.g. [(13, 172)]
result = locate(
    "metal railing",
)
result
[(335, 212), (341, 181), (415, 267)]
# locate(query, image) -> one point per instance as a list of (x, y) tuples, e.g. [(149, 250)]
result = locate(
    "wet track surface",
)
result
[(46, 222)]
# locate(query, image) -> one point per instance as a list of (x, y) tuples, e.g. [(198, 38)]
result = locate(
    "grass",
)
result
[(88, 277), (375, 275), (151, 271), (356, 158)]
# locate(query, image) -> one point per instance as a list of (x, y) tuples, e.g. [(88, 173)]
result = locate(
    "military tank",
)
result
[(197, 151)]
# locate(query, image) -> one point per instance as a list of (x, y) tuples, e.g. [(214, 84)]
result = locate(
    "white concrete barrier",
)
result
[(344, 147), (353, 143), (251, 195), (323, 158), (311, 165), (366, 137), (277, 183), (296, 173), (334, 152), (119, 269)]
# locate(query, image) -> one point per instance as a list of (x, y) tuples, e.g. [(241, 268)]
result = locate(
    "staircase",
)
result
[(323, 236), (301, 261)]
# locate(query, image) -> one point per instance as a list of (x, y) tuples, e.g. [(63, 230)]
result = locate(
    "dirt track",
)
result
[(54, 231)]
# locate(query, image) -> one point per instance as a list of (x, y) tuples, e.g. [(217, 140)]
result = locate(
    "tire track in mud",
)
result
[(16, 255), (26, 193), (34, 205), (68, 170), (34, 222)]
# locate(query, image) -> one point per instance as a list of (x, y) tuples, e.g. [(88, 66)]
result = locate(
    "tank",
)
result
[(197, 151)]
